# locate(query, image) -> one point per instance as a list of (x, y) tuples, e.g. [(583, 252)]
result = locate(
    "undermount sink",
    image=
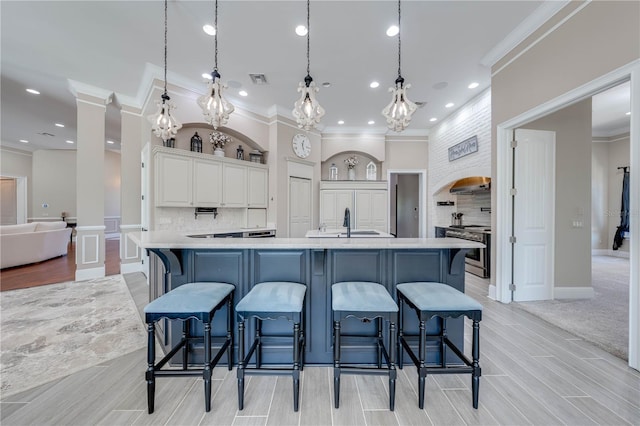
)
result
[(362, 233), (201, 236)]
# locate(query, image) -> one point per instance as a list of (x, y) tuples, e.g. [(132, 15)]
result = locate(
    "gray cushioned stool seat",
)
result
[(276, 296), (365, 301), (438, 297), (192, 301)]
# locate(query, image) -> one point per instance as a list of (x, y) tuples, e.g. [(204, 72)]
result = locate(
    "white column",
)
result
[(91, 105), (131, 142)]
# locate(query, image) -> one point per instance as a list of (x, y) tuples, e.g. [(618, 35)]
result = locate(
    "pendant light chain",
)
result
[(215, 39), (308, 36), (165, 47), (399, 42)]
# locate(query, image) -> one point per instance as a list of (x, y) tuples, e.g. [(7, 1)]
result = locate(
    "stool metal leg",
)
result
[(475, 375), (336, 363), (379, 341), (150, 374), (400, 331), (206, 373), (185, 338), (230, 333), (392, 367), (241, 364), (422, 370), (258, 323), (443, 346), (296, 366)]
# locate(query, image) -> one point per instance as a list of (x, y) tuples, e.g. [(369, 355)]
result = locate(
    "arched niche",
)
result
[(361, 167)]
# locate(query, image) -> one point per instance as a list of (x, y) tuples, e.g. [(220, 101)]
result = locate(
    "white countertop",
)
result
[(342, 233), (179, 240)]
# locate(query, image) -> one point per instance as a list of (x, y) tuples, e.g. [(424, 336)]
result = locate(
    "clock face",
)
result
[(301, 145)]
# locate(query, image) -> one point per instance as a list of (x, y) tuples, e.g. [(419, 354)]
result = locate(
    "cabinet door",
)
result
[(363, 219), (332, 206), (207, 183), (174, 180), (379, 210), (234, 185), (258, 187)]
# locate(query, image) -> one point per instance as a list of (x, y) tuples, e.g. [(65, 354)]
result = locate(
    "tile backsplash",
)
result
[(470, 205), (183, 219)]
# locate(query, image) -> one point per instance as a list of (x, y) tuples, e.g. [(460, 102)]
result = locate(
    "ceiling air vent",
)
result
[(46, 134), (259, 79), (420, 104)]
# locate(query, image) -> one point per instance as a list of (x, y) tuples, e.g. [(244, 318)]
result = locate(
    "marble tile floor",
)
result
[(533, 373)]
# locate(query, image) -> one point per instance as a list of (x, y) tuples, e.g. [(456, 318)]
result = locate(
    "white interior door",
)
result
[(533, 221), (299, 207)]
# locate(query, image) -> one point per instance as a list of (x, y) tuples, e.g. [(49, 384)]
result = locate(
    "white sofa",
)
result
[(32, 242)]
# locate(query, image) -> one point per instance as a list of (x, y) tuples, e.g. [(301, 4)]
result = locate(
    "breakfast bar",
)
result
[(176, 259)]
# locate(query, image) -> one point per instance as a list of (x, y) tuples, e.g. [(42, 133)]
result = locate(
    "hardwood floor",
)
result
[(533, 373), (57, 270)]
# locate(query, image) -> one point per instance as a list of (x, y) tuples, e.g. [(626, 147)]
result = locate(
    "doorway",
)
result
[(13, 200), (299, 207), (407, 205)]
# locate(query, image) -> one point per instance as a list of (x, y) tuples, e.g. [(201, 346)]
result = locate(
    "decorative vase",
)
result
[(218, 152), (351, 173)]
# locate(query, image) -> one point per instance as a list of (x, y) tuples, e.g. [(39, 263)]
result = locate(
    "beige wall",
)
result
[(54, 183), (17, 163), (601, 37), (411, 152), (112, 183), (599, 195)]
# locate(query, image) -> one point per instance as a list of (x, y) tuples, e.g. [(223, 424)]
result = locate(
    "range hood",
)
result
[(471, 185)]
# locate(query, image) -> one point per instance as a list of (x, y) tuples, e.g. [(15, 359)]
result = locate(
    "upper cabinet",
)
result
[(186, 179), (367, 202)]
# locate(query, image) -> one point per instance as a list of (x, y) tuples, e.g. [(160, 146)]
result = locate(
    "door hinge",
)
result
[(512, 239), (142, 165), (142, 198), (513, 192), (512, 287), (514, 144)]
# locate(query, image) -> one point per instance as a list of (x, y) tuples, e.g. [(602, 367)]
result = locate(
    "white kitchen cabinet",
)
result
[(332, 206), (174, 180), (234, 185), (258, 187), (207, 183), (367, 202)]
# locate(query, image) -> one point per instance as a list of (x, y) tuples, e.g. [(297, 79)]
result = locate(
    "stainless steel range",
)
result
[(477, 260)]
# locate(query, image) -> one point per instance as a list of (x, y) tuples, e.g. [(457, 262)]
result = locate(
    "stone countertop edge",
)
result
[(178, 240)]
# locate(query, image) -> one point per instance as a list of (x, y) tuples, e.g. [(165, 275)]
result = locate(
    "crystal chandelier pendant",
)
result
[(215, 107), (307, 111), (398, 112), (163, 124)]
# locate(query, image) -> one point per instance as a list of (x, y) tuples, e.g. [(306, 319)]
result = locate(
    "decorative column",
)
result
[(131, 140), (91, 105)]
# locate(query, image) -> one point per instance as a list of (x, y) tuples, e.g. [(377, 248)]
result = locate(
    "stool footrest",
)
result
[(357, 369), (178, 373), (268, 371)]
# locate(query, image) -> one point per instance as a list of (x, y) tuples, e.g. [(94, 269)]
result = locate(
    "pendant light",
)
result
[(307, 111), (215, 107), (398, 112), (163, 124)]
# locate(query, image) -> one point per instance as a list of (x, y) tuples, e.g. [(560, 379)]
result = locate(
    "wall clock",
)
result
[(301, 145)]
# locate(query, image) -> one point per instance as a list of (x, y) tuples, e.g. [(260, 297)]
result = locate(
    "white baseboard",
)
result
[(599, 252), (492, 292), (573, 293), (112, 236), (89, 274), (610, 252), (127, 268)]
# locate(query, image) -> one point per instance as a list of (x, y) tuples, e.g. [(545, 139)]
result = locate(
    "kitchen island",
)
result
[(176, 259)]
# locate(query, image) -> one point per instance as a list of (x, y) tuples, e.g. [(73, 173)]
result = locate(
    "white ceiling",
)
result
[(110, 44)]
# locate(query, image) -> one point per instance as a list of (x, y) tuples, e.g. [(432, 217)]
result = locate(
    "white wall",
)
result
[(472, 119), (600, 195), (54, 183), (16, 163), (618, 157)]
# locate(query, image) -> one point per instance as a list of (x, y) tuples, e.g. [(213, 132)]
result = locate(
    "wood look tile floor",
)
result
[(532, 374)]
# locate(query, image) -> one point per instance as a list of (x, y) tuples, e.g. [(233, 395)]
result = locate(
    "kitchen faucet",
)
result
[(347, 221)]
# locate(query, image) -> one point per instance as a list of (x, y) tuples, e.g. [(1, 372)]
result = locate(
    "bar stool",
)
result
[(364, 301), (198, 301), (271, 301), (428, 300)]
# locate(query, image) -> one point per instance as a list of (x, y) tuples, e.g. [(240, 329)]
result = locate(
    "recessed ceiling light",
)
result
[(69, 141), (33, 91), (433, 119), (243, 93), (206, 75), (374, 84), (628, 113), (393, 30), (209, 29), (59, 125), (371, 122), (473, 85), (110, 142), (340, 122), (449, 105), (24, 141), (326, 84), (301, 30)]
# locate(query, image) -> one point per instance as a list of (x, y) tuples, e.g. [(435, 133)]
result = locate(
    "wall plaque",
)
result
[(466, 147)]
